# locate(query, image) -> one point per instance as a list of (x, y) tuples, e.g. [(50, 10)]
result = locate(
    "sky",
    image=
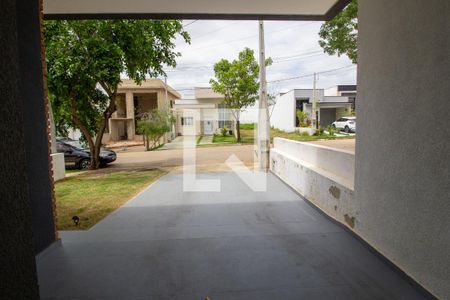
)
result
[(293, 46)]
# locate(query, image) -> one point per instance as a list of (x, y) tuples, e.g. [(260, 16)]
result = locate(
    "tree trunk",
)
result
[(95, 155), (80, 125), (147, 143), (238, 131), (94, 147)]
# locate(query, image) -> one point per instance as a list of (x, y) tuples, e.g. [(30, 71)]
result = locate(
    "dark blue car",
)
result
[(75, 156)]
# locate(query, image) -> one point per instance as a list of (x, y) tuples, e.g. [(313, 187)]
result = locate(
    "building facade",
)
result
[(330, 108), (132, 101), (202, 114)]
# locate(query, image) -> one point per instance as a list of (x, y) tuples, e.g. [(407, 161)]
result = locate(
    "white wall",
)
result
[(402, 165), (283, 115), (58, 166), (324, 176)]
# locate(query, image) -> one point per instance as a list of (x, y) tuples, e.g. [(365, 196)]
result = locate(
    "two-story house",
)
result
[(132, 101)]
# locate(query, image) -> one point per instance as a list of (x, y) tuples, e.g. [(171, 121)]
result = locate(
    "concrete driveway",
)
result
[(234, 244)]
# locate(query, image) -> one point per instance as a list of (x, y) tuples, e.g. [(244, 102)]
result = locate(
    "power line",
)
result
[(309, 75), (276, 60), (246, 38), (190, 23), (297, 55), (278, 80)]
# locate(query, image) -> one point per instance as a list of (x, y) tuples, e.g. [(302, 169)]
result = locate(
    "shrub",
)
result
[(303, 119), (304, 133), (331, 130), (319, 131), (224, 131)]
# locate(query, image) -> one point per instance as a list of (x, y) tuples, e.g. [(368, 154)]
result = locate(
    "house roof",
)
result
[(206, 93), (152, 83), (195, 9)]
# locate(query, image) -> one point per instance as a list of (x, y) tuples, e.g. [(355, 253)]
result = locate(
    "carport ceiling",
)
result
[(195, 9)]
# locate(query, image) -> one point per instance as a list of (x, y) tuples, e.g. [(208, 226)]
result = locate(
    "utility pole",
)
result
[(169, 136), (263, 116), (315, 111)]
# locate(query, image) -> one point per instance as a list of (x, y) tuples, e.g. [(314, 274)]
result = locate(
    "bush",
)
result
[(303, 118), (224, 131), (331, 130), (319, 131), (304, 133)]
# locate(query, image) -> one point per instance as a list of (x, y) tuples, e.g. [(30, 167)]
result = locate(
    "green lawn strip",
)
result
[(247, 136), (248, 126), (93, 196), (228, 139)]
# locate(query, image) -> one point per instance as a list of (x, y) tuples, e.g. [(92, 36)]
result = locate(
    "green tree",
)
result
[(85, 60), (238, 82), (153, 125), (339, 35)]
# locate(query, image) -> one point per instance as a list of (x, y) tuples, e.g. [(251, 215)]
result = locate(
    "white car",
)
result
[(348, 124)]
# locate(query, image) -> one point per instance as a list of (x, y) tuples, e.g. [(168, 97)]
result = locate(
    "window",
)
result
[(61, 148), (299, 103), (187, 121)]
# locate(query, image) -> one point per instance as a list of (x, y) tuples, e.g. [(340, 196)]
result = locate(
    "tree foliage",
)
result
[(238, 82), (339, 35), (153, 125), (85, 60)]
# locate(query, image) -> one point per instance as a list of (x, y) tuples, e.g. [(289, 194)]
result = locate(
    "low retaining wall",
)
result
[(58, 166), (323, 175)]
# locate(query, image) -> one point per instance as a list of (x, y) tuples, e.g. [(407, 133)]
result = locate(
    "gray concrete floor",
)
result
[(235, 244)]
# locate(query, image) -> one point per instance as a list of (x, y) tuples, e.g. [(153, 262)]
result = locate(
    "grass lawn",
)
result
[(248, 136), (92, 196), (219, 139)]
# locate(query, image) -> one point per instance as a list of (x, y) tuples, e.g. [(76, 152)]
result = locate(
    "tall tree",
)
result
[(85, 60), (339, 35), (238, 82)]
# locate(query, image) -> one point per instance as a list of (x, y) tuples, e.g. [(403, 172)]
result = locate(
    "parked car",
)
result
[(348, 124), (76, 156)]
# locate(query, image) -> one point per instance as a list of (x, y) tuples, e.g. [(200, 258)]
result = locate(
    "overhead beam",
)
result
[(301, 10)]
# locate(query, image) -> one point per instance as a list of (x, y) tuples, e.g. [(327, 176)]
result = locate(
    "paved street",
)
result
[(236, 244), (207, 158)]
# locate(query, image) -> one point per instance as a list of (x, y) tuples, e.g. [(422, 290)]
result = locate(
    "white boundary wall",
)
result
[(323, 175)]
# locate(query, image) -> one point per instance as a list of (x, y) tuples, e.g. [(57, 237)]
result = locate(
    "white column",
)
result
[(130, 115)]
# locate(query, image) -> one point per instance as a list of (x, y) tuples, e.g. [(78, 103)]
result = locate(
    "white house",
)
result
[(331, 108), (202, 114)]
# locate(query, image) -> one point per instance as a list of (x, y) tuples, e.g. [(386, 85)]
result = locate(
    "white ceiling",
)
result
[(297, 9)]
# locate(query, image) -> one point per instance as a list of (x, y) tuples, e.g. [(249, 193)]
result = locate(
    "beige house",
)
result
[(134, 99), (202, 114)]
